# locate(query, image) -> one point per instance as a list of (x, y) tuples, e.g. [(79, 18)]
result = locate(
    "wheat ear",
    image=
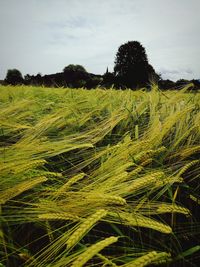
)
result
[(85, 227), (93, 250), (107, 199), (142, 221), (29, 165), (21, 166), (145, 181), (189, 151), (151, 257), (20, 188), (58, 216), (164, 208), (187, 166), (69, 183), (195, 199)]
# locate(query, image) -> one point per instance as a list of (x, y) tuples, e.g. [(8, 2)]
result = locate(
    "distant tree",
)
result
[(94, 81), (182, 82), (131, 65), (14, 77), (75, 75), (196, 84), (74, 68), (38, 79), (166, 84), (27, 79)]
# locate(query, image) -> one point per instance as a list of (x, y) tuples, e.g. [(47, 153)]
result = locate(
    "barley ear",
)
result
[(150, 258), (93, 250), (85, 228), (20, 188)]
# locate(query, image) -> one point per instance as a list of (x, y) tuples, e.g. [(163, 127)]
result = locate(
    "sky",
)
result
[(44, 36)]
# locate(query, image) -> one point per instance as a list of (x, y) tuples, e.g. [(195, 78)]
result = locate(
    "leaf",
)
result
[(188, 252)]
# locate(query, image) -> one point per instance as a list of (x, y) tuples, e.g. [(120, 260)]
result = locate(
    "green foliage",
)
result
[(98, 177)]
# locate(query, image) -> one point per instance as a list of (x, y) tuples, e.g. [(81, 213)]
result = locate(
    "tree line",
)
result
[(131, 70)]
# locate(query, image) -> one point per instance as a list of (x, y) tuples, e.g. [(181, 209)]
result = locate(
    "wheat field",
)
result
[(99, 177)]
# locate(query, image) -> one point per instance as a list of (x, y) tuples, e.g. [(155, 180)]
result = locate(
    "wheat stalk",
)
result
[(106, 260)]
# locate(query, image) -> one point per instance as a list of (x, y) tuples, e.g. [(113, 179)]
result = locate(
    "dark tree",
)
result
[(14, 77), (74, 68), (93, 81), (131, 65), (28, 79), (196, 84), (166, 84), (75, 75)]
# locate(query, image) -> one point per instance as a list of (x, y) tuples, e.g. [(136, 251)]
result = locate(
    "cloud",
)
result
[(44, 36), (176, 74)]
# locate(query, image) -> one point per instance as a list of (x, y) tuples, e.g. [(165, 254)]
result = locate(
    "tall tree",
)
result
[(14, 77), (131, 65)]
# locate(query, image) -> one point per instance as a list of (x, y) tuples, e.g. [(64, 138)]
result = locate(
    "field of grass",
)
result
[(99, 177)]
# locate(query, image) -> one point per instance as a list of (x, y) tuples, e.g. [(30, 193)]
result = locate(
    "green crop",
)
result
[(99, 177)]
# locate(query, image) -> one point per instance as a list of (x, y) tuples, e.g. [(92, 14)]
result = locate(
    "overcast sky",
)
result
[(47, 35)]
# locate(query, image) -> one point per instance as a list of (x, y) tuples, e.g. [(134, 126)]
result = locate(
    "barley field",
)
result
[(99, 177)]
